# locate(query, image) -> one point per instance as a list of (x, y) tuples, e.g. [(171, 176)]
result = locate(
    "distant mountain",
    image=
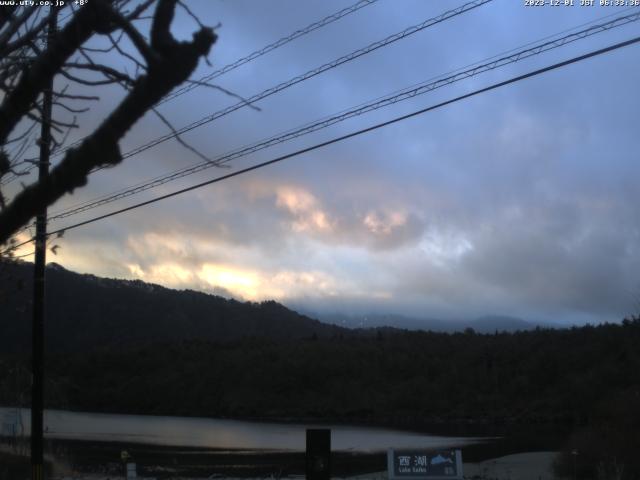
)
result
[(485, 324), (385, 320), (85, 312), (491, 323)]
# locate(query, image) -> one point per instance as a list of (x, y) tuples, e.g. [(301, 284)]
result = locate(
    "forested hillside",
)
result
[(128, 346), (85, 312), (562, 377), (131, 347)]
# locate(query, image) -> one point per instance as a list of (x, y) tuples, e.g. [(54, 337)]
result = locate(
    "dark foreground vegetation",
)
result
[(572, 377), (582, 383), (17, 467), (585, 381), (75, 457)]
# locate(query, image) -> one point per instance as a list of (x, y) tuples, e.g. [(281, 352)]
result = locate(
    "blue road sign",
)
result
[(424, 464)]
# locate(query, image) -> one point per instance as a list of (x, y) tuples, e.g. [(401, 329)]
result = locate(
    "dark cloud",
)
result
[(520, 201)]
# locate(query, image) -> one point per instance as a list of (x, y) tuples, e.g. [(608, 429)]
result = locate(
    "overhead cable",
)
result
[(382, 102), (317, 146), (241, 61), (305, 76), (269, 48)]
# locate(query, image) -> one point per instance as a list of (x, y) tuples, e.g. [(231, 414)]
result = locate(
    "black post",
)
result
[(37, 334), (318, 455)]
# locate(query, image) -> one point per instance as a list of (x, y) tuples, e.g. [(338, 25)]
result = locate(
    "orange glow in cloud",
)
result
[(379, 224), (239, 282), (168, 274), (256, 285), (26, 249), (306, 209)]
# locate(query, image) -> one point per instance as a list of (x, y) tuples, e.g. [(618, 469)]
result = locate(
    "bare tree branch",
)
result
[(6, 14), (107, 71), (137, 39), (75, 33), (227, 92), (178, 137), (13, 27), (175, 63), (25, 40)]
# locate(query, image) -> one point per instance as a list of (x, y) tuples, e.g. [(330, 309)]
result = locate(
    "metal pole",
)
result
[(37, 390)]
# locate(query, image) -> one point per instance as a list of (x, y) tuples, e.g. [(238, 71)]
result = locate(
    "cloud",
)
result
[(519, 201), (378, 225), (303, 207)]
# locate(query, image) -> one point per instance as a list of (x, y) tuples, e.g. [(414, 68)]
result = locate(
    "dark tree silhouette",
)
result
[(27, 66)]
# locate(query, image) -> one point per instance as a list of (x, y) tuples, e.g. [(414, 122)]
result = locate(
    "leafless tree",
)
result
[(100, 43)]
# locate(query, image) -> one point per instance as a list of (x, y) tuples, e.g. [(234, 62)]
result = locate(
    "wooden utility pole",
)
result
[(37, 334), (318, 454)]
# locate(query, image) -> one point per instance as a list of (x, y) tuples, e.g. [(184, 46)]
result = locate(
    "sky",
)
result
[(521, 201)]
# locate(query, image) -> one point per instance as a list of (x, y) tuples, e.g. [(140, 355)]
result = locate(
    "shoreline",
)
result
[(194, 464), (79, 459), (436, 425)]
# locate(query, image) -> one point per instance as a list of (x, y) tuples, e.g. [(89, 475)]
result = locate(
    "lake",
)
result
[(223, 434)]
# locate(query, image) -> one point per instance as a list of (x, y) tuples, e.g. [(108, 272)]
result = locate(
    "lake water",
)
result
[(222, 434)]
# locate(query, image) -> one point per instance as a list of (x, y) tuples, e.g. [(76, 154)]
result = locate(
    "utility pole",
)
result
[(37, 334)]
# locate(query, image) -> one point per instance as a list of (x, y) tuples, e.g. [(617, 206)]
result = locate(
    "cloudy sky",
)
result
[(522, 201)]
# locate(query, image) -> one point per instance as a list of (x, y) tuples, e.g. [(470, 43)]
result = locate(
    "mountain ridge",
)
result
[(86, 311), (483, 324), (108, 311)]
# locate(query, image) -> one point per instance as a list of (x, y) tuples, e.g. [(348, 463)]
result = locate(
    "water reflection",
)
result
[(224, 434)]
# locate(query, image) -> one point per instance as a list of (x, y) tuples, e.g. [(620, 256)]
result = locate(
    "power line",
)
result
[(312, 73), (273, 46), (382, 102), (269, 48), (303, 77), (317, 146), (458, 70), (241, 61)]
